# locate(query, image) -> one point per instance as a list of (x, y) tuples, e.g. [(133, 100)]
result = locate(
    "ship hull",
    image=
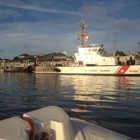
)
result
[(92, 70)]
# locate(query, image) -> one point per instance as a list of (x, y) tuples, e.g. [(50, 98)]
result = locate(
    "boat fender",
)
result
[(31, 127)]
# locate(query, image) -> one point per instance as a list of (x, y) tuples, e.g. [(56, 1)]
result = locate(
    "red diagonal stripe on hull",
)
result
[(123, 69)]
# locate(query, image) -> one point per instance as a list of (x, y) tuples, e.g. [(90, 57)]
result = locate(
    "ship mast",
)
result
[(82, 36)]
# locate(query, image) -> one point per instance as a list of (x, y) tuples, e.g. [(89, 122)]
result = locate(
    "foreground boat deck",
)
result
[(52, 123)]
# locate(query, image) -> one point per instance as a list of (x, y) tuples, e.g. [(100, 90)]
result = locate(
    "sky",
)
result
[(39, 27)]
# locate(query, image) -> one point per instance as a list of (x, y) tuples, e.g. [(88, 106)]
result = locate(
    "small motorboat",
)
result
[(52, 123)]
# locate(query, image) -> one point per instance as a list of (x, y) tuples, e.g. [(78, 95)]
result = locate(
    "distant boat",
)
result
[(91, 60), (52, 123), (19, 70)]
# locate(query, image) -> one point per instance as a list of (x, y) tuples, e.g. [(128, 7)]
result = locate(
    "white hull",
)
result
[(93, 70), (52, 123)]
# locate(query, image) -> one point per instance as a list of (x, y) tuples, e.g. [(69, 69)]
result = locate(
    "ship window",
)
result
[(89, 50), (85, 50), (94, 50)]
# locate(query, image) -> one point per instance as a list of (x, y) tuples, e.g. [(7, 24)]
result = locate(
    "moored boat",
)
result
[(19, 70), (52, 123), (92, 60)]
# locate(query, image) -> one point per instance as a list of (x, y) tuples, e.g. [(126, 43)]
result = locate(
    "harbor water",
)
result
[(109, 101)]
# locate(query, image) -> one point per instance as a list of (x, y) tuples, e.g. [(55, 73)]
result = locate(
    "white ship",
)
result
[(91, 60), (52, 123)]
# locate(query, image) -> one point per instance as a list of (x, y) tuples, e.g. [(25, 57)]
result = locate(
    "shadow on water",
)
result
[(111, 102)]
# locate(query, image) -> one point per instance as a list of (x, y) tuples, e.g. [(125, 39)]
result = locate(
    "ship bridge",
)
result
[(92, 49)]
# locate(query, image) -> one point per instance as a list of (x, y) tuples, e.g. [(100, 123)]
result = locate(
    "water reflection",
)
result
[(100, 91), (123, 83), (89, 88), (99, 99), (105, 100)]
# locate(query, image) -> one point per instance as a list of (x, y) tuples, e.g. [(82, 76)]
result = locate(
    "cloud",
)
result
[(32, 7), (124, 24), (1, 50), (105, 11), (35, 38), (6, 13), (116, 6), (51, 26)]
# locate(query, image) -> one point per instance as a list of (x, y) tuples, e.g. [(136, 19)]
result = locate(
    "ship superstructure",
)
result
[(93, 54)]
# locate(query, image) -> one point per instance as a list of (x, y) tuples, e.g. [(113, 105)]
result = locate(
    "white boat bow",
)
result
[(52, 123)]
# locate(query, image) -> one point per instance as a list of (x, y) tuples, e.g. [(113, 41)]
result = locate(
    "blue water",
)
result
[(109, 101)]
